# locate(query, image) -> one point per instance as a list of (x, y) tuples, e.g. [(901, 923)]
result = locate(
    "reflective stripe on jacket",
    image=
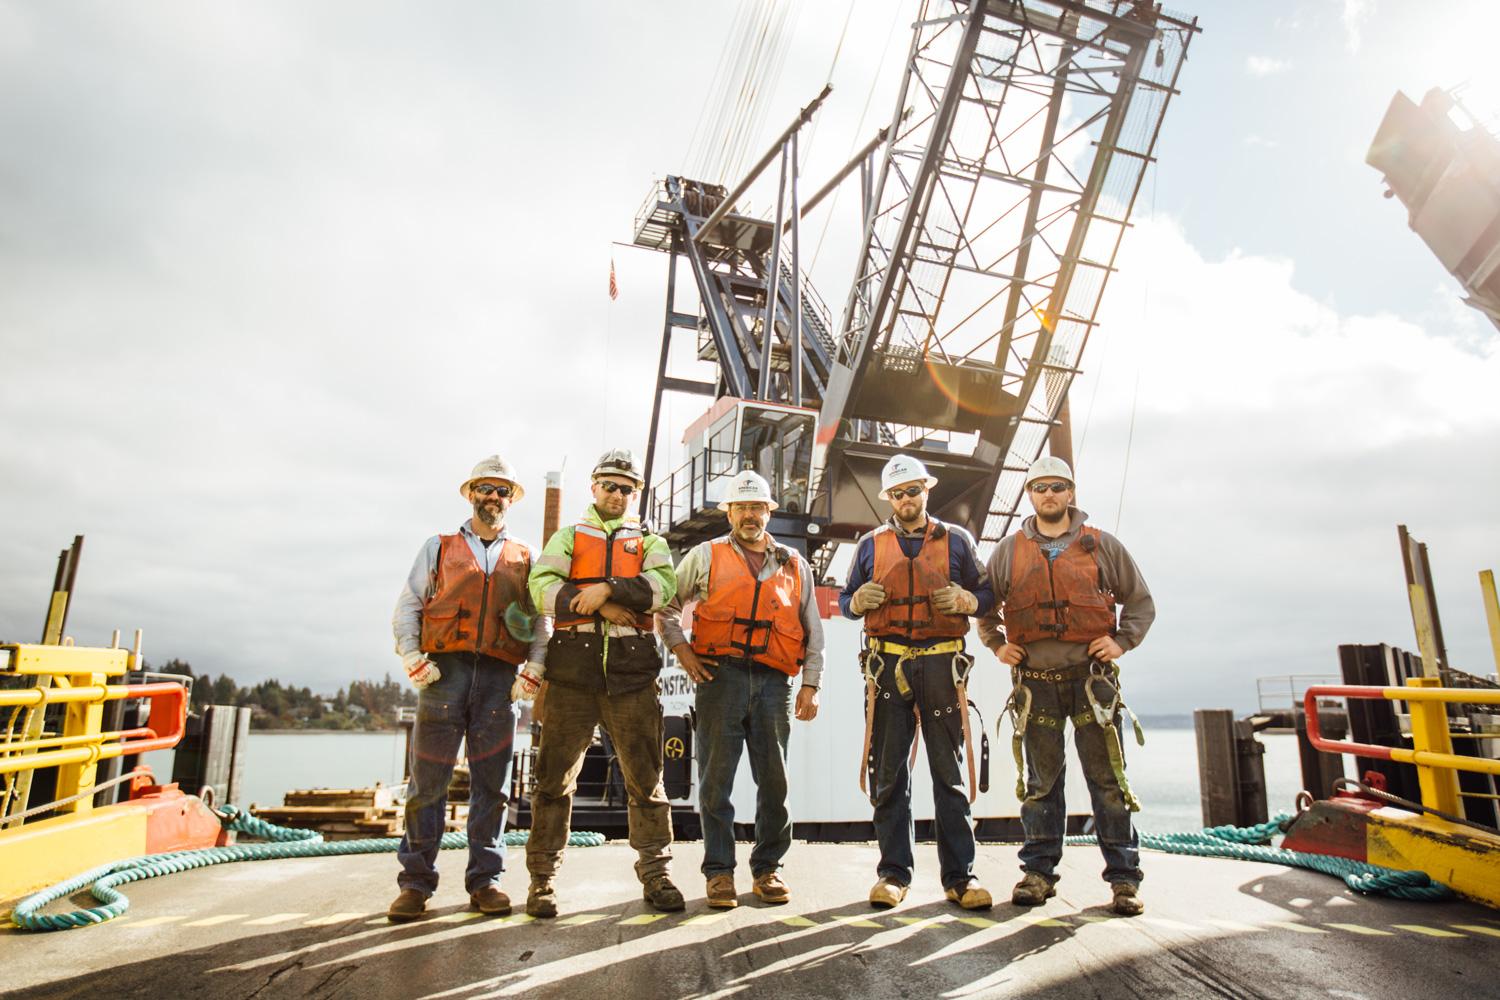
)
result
[(466, 612), (909, 583), (746, 618), (599, 555), (1059, 598)]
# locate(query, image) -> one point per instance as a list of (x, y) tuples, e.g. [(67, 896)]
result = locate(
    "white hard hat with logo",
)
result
[(493, 467), (904, 469), (1049, 467), (619, 462), (748, 487)]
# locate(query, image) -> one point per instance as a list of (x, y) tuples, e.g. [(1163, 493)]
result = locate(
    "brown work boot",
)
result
[(541, 898), (408, 906), (1127, 900), (490, 900), (1033, 890), (769, 888), (887, 893), (970, 895), (721, 893), (663, 895)]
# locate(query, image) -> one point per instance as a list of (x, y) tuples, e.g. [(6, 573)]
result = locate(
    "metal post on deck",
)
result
[(1429, 732), (1491, 611)]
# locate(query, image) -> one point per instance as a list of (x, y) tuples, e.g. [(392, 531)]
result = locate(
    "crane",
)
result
[(993, 204)]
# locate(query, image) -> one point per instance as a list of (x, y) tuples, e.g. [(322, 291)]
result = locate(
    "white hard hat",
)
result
[(619, 462), (747, 487), (1048, 467), (493, 467), (904, 469)]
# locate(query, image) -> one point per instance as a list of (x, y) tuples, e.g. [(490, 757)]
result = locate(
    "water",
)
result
[(1164, 773)]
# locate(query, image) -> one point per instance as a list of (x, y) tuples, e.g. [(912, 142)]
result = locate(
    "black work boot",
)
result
[(408, 906), (663, 895)]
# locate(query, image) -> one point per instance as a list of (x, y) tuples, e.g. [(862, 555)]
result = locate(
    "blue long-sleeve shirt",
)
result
[(964, 568)]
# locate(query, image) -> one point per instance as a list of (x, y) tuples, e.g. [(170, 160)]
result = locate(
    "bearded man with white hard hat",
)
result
[(914, 582), (755, 630), (1057, 582), (464, 622), (602, 580)]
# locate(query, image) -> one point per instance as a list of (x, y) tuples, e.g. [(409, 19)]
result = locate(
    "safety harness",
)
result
[(1101, 672), (873, 665)]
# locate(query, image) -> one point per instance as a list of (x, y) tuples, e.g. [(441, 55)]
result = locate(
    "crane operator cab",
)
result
[(773, 439)]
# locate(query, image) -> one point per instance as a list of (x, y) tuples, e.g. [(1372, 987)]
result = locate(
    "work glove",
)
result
[(420, 669), (528, 682), (868, 597), (954, 600)]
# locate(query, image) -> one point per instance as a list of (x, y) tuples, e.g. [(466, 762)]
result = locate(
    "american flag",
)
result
[(614, 287)]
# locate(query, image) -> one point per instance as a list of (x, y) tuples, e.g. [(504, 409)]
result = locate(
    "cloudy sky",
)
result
[(274, 276)]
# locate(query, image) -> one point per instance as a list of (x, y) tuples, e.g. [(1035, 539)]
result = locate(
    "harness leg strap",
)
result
[(961, 666), (873, 666), (1104, 717)]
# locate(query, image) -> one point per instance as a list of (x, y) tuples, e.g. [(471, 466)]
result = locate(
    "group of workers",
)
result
[(485, 621)]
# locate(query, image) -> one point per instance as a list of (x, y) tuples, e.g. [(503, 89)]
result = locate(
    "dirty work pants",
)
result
[(633, 722), (470, 704), (931, 680), (1044, 813), (745, 706)]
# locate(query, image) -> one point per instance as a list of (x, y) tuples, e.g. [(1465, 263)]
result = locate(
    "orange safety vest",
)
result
[(1062, 598), (751, 619), (597, 556), (907, 612), (466, 612)]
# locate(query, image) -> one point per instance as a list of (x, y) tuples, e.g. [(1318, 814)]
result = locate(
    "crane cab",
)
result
[(773, 439)]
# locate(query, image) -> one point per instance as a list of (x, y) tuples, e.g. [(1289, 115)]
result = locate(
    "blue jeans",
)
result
[(743, 706), (469, 703), (936, 699), (1044, 813)]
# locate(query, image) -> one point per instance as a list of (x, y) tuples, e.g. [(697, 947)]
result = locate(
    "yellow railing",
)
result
[(78, 678), (1432, 741)]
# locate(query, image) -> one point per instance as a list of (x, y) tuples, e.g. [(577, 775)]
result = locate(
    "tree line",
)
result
[(363, 705)]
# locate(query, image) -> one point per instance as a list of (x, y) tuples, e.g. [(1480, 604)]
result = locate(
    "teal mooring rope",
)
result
[(1253, 843), (283, 842)]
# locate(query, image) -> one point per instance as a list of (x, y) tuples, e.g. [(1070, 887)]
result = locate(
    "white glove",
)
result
[(528, 682), (420, 669), (868, 597), (954, 600)]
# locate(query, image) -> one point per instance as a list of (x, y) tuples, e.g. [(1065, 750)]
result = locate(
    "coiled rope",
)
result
[(1253, 843), (283, 842)]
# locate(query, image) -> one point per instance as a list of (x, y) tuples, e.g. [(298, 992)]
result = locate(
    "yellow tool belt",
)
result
[(906, 651)]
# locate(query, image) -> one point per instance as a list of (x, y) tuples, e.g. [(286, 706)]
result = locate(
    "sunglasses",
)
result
[(909, 491), (1054, 487), (485, 489), (609, 487)]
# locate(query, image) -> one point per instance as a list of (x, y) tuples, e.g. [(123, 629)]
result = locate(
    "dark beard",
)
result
[(488, 514), (1062, 516)]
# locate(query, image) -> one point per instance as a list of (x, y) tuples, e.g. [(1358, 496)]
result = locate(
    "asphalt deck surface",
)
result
[(316, 928)]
